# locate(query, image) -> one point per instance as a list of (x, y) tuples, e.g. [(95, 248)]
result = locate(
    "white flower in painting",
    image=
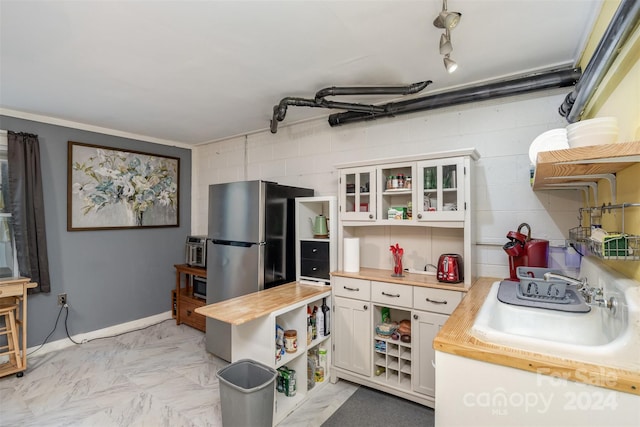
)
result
[(164, 198), (83, 189), (128, 190)]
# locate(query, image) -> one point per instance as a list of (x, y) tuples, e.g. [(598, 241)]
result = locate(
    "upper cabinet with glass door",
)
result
[(430, 190), (441, 190), (357, 194)]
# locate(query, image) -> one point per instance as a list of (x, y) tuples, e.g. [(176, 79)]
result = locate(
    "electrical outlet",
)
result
[(62, 299)]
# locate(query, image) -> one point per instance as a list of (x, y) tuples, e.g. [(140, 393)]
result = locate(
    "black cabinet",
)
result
[(314, 259)]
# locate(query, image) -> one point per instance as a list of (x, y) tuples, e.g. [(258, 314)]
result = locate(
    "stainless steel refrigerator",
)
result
[(250, 247)]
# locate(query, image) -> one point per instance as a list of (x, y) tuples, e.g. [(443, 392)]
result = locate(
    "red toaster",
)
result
[(450, 268)]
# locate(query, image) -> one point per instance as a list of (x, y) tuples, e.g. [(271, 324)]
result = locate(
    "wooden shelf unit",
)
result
[(183, 302), (577, 164)]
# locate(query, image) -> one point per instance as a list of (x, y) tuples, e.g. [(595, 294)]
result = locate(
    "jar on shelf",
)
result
[(291, 341), (389, 182), (408, 183)]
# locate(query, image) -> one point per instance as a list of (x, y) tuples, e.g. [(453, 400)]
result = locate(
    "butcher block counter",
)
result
[(246, 308), (455, 338)]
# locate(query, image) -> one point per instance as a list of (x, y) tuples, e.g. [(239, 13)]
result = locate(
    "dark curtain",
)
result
[(26, 204)]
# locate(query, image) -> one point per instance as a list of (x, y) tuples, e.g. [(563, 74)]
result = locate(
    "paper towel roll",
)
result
[(351, 259)]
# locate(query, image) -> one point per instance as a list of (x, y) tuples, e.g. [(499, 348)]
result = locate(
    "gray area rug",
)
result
[(368, 407)]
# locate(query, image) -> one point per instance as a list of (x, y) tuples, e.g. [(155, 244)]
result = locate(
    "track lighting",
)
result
[(447, 20), (445, 43), (450, 64)]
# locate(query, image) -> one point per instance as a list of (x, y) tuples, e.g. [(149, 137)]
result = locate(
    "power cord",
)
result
[(66, 328), (576, 249), (126, 332), (50, 333)]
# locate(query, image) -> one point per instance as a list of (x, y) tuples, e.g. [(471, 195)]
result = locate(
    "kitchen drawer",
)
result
[(436, 300), (315, 250), (189, 316), (315, 268), (351, 288), (391, 293), (11, 290)]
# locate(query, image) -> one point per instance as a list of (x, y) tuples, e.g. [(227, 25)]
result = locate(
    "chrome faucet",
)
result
[(592, 296), (582, 282)]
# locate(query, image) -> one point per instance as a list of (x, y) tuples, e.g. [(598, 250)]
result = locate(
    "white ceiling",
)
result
[(196, 71)]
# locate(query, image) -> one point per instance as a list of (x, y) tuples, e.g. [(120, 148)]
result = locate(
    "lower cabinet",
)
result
[(369, 356), (352, 335), (424, 327)]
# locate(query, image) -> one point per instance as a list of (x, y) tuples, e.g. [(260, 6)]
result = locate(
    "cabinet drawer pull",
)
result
[(351, 289), (314, 250), (315, 268), (391, 295), (435, 301)]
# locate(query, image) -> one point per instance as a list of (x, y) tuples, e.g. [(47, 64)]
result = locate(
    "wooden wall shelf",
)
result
[(565, 166)]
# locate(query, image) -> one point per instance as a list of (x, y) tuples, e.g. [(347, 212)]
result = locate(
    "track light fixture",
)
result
[(447, 21), (450, 64)]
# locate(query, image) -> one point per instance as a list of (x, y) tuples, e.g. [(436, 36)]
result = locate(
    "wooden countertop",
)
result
[(237, 311), (424, 280), (455, 338)]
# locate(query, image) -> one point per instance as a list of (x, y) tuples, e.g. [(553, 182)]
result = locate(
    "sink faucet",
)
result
[(592, 296)]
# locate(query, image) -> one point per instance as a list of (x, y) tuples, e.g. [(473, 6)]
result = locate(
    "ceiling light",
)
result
[(447, 20), (450, 64), (445, 43)]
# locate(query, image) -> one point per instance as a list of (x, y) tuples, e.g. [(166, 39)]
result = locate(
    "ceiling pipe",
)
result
[(280, 110), (511, 87), (617, 33)]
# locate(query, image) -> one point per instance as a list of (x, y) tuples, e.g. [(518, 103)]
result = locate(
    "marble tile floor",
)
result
[(159, 376)]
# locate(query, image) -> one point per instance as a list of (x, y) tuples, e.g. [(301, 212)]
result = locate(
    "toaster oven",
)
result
[(196, 251)]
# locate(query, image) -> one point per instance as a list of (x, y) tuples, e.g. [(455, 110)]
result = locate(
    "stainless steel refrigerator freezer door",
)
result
[(236, 211), (233, 269)]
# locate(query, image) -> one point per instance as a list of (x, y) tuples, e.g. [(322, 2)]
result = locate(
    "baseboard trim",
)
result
[(101, 333)]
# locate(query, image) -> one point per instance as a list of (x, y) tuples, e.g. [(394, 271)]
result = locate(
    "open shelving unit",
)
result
[(581, 165)]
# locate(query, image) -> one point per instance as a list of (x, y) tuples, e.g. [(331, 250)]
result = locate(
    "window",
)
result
[(8, 261)]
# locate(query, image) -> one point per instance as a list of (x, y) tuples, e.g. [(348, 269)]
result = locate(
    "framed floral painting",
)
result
[(114, 188)]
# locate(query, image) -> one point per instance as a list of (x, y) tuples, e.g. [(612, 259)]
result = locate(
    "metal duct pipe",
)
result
[(620, 28), (280, 110), (373, 90), (529, 83)]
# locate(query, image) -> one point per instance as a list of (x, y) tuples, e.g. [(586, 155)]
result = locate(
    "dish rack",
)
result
[(617, 245), (533, 285)]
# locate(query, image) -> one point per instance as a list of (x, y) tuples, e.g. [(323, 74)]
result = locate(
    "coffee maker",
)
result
[(524, 251)]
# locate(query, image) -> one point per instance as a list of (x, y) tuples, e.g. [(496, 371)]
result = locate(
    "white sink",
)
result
[(600, 336)]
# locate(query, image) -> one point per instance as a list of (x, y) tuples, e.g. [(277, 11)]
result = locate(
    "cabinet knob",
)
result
[(415, 316), (188, 312), (365, 307), (314, 250), (419, 216), (370, 216)]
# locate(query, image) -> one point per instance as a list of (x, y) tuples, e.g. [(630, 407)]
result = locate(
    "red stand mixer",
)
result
[(524, 251)]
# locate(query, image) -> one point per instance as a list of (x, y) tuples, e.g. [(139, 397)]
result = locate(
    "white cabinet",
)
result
[(352, 335), (357, 194), (428, 190), (441, 190), (425, 189), (424, 328), (363, 355), (316, 257), (352, 320)]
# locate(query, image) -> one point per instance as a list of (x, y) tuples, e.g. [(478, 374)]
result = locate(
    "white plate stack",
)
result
[(554, 139), (602, 130)]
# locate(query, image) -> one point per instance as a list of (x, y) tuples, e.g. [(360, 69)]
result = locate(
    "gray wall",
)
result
[(110, 277)]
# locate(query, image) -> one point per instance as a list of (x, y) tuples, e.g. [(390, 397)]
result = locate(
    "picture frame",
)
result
[(113, 188)]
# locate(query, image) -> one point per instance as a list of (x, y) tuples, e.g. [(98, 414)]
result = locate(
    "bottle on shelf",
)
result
[(327, 317), (319, 321)]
